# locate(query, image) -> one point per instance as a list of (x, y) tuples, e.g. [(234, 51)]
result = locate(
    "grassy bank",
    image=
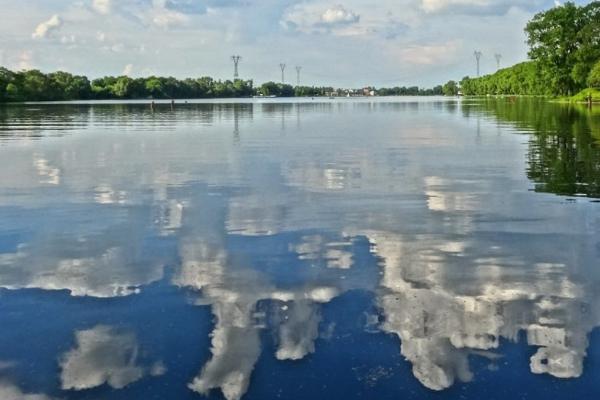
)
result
[(581, 97)]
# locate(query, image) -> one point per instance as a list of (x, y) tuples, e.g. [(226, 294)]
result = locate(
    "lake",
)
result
[(379, 248)]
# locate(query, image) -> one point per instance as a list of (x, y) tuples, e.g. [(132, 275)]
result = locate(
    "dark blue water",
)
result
[(351, 249)]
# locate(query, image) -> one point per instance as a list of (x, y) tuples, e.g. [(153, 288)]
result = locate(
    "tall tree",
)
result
[(565, 42), (588, 53)]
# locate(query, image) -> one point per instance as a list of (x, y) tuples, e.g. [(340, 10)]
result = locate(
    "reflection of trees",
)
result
[(39, 120), (32, 121), (564, 154), (564, 165)]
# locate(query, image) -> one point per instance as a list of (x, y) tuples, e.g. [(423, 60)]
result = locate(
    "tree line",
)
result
[(34, 85), (564, 52)]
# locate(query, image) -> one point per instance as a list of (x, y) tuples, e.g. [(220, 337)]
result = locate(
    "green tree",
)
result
[(450, 89), (154, 87), (205, 87), (68, 87), (122, 88), (35, 86), (270, 89), (523, 79), (6, 77), (594, 76), (243, 88), (101, 88), (564, 41), (588, 53), (12, 92)]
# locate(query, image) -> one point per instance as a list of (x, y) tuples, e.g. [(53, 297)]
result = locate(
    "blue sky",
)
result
[(339, 42)]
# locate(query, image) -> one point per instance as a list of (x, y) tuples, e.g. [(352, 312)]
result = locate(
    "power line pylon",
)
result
[(236, 62), (298, 70), (478, 55), (282, 66), (498, 58)]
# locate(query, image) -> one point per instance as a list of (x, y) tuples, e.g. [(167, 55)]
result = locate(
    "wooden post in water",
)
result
[(152, 106), (172, 105), (590, 101)]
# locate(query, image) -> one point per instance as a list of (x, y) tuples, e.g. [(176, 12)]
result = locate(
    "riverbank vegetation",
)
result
[(34, 85), (564, 48)]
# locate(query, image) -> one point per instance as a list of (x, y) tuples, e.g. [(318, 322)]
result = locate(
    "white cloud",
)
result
[(429, 54), (47, 27), (25, 60), (117, 48), (127, 70), (68, 39), (339, 15), (477, 6), (102, 6), (438, 5), (168, 19), (314, 18), (163, 17)]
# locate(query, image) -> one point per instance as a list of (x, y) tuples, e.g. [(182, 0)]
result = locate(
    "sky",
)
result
[(345, 43)]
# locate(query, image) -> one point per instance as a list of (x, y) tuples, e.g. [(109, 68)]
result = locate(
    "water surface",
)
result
[(388, 248)]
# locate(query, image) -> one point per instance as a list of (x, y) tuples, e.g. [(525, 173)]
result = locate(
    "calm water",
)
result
[(351, 249)]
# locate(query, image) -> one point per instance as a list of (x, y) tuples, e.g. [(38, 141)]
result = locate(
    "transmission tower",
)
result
[(478, 55), (298, 69), (236, 62), (282, 66), (498, 57)]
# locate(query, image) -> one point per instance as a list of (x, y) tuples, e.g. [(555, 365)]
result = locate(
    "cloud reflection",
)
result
[(266, 238), (112, 273), (9, 391), (442, 315), (103, 355), (237, 292), (234, 294)]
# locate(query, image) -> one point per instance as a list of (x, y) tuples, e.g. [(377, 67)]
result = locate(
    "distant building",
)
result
[(368, 91)]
